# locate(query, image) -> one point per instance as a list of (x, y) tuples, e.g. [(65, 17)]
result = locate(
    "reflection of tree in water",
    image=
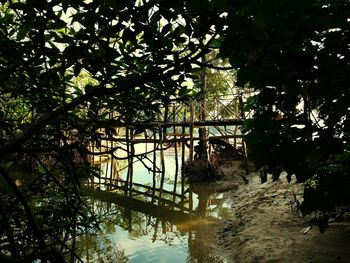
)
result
[(100, 248), (200, 250), (168, 233), (199, 239), (97, 245)]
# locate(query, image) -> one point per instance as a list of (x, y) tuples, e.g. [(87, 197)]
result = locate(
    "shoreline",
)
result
[(266, 226)]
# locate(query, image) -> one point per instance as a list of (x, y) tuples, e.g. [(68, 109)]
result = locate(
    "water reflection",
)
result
[(156, 217)]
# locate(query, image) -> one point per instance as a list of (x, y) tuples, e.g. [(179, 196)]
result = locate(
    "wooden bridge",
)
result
[(179, 123), (179, 126)]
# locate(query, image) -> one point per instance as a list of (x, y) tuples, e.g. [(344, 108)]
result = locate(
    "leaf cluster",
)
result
[(295, 55)]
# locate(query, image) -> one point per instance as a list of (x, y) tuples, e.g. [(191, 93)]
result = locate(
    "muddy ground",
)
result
[(267, 228)]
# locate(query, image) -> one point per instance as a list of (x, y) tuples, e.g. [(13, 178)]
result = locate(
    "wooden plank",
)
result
[(150, 125), (172, 140)]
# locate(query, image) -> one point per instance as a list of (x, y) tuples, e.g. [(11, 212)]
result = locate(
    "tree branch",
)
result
[(23, 201), (8, 230)]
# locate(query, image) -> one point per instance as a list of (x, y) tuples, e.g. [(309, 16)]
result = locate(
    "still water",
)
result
[(179, 227)]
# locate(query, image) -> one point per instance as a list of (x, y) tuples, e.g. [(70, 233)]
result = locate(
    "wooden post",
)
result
[(183, 152), (127, 133), (190, 201), (112, 155), (128, 215), (106, 147), (235, 134), (245, 160), (166, 113), (154, 164), (202, 151), (131, 163), (163, 175), (100, 164), (93, 164), (154, 237), (183, 149), (176, 157), (191, 132), (111, 162), (93, 150)]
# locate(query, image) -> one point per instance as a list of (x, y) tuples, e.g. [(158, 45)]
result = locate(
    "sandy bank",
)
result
[(266, 227)]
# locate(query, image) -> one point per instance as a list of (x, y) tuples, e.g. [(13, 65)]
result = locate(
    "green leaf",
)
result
[(247, 126), (8, 165), (77, 69), (22, 33), (128, 36), (166, 29), (183, 91), (217, 43)]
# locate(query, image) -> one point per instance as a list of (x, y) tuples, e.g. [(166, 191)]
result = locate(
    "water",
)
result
[(139, 228)]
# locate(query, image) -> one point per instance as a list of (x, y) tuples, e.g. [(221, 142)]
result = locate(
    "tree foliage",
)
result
[(65, 66), (295, 54)]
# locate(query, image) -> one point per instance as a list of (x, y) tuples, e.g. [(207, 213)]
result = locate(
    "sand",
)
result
[(268, 228)]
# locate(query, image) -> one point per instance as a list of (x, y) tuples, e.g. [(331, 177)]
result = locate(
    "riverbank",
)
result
[(267, 228)]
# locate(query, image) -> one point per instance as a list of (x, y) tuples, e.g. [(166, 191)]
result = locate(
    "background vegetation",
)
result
[(296, 56), (66, 66)]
